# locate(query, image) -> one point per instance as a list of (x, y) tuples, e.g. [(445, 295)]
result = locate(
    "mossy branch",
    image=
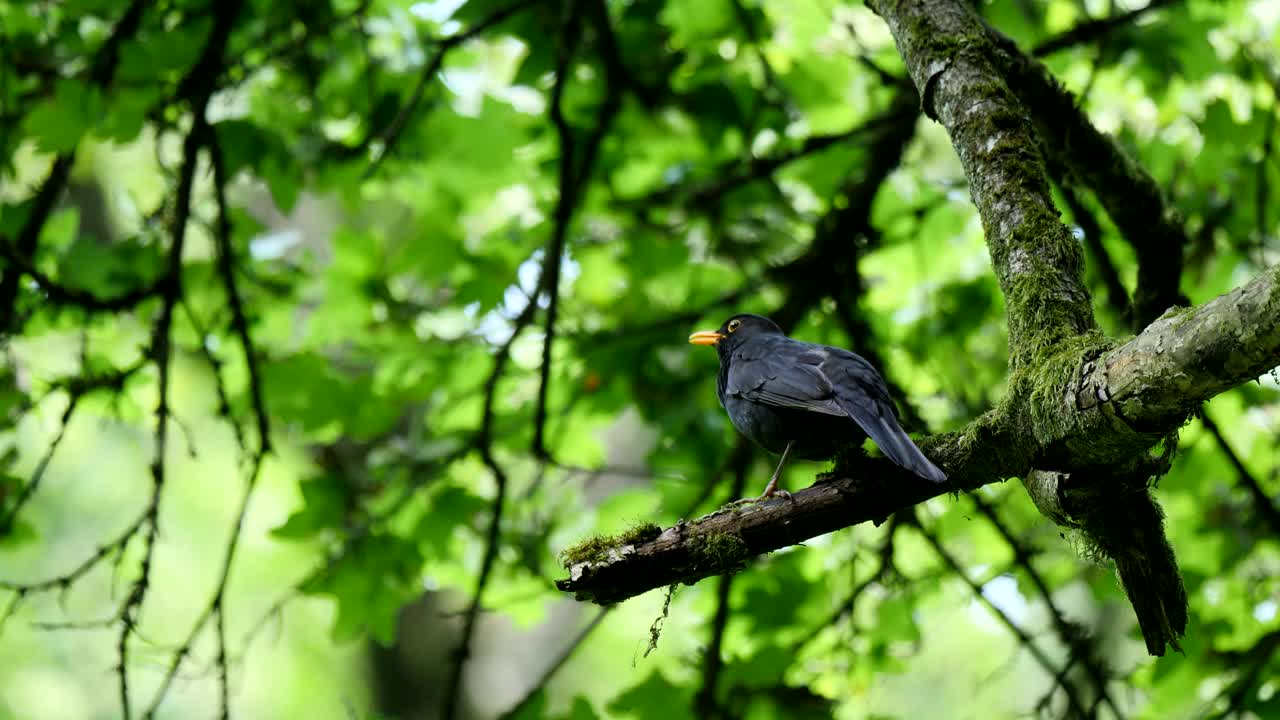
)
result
[(608, 570), (1130, 195), (1038, 263)]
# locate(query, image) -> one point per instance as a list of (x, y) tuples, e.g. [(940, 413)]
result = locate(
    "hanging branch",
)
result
[(449, 707), (197, 87), (576, 162), (1262, 502), (215, 609), (1083, 649), (705, 701)]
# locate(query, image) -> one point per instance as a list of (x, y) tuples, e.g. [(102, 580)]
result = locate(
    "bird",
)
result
[(803, 399)]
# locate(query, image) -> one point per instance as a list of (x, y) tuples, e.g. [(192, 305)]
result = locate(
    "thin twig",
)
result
[(576, 162), (1262, 502), (216, 608), (705, 701), (391, 134), (239, 323), (563, 657), (1238, 691), (30, 487), (1090, 30), (101, 73), (198, 87), (1083, 649), (1073, 700), (737, 173)]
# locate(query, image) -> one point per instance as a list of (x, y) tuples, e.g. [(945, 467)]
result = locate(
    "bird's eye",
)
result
[(734, 325)]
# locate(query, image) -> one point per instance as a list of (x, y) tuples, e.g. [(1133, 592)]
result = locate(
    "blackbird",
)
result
[(798, 398)]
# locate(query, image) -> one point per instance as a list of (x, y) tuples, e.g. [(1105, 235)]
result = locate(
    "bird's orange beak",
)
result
[(705, 337)]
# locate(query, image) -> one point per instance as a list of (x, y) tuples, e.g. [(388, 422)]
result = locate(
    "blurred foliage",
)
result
[(411, 190)]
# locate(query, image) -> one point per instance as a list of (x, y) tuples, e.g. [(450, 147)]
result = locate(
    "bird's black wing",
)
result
[(784, 373), (788, 373), (864, 396)]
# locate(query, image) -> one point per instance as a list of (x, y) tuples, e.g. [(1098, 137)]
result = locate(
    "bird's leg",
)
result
[(772, 488)]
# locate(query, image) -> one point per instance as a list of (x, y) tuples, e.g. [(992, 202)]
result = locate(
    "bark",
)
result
[(1038, 263), (1132, 198)]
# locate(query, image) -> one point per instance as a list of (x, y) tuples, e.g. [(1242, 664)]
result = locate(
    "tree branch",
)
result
[(1074, 701), (1117, 295), (215, 609), (1262, 503), (1037, 262), (735, 174), (101, 74), (561, 658), (390, 135), (1132, 198), (1094, 28), (484, 441), (705, 701), (576, 162), (198, 87), (1083, 649)]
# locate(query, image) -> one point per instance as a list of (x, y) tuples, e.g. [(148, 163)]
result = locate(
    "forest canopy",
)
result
[(345, 370)]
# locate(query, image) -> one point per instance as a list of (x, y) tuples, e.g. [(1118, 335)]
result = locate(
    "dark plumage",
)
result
[(794, 397)]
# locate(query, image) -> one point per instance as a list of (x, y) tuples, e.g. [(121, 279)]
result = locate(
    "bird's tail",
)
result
[(894, 442)]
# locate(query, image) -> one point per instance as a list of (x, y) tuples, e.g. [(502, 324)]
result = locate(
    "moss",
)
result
[(1053, 374), (1177, 316), (641, 533), (719, 550), (597, 548), (1045, 321), (593, 549)]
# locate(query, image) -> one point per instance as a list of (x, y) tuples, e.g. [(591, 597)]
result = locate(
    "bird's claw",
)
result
[(767, 495)]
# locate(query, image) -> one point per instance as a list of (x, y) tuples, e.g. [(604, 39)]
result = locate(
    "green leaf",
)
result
[(126, 113), (283, 178), (61, 229), (370, 583), (696, 20), (245, 144), (533, 709), (109, 269), (325, 500), (450, 509), (20, 533), (652, 699), (580, 710), (164, 54), (57, 124)]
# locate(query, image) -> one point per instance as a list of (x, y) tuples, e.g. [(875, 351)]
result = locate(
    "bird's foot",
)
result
[(770, 492)]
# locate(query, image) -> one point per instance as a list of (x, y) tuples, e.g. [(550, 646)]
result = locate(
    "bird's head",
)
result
[(735, 331)]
